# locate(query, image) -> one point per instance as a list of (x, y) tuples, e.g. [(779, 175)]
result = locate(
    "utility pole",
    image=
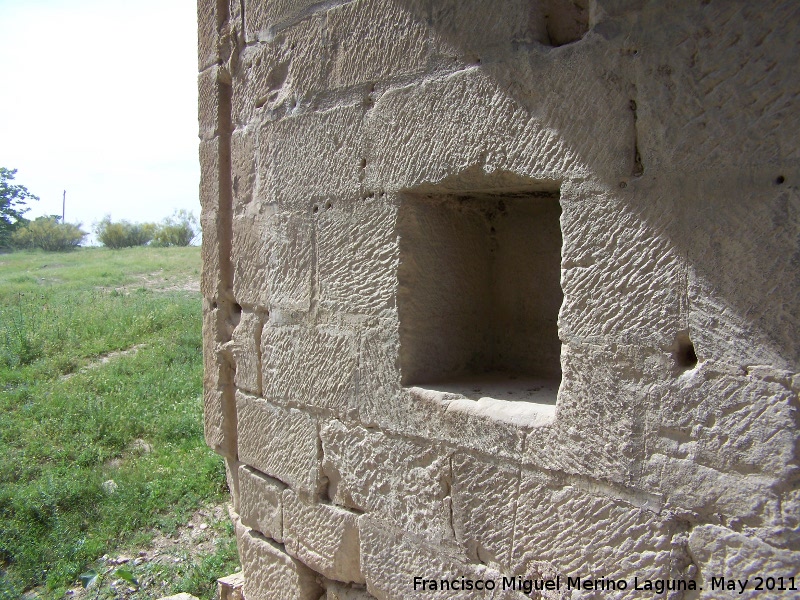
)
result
[(63, 205)]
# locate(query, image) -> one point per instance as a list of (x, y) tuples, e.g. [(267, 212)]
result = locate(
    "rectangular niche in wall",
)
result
[(479, 294)]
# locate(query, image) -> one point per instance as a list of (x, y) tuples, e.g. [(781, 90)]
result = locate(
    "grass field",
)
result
[(101, 437)]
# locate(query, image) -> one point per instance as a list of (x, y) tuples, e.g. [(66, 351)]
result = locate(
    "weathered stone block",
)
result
[(209, 15), (412, 557), (722, 85), (570, 531), (213, 94), (722, 553), (728, 421), (266, 19), (314, 367), (324, 537), (271, 574), (374, 41), (625, 284), (410, 479), (275, 77), (701, 489), (243, 168), (484, 497), (734, 291), (261, 503), (272, 258), (219, 422), (246, 349), (280, 442), (477, 32), (312, 159), (335, 591), (357, 256), (598, 430), (417, 136)]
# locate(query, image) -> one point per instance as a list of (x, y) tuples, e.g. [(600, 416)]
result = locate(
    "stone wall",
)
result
[(503, 289)]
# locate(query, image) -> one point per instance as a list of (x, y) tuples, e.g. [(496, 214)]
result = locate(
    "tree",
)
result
[(178, 230), (12, 205), (48, 233), (124, 234)]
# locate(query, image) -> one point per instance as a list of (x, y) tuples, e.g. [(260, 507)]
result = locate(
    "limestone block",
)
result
[(744, 277), (213, 101), (729, 421), (231, 587), (324, 537), (215, 333), (290, 263), (311, 158), (260, 503), (474, 30), (335, 591), (280, 442), (271, 574), (219, 421), (374, 41), (209, 177), (246, 350), (383, 402), (484, 508), (394, 479), (417, 135), (209, 14), (310, 366), (720, 552), (232, 479), (622, 277), (732, 108), (265, 19), (272, 258), (696, 487), (289, 70), (574, 532), (412, 557), (214, 219), (243, 169), (357, 256), (598, 429)]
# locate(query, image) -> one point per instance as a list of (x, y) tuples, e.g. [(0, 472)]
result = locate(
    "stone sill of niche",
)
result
[(521, 400)]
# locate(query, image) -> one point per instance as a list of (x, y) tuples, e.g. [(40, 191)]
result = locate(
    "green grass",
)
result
[(69, 421)]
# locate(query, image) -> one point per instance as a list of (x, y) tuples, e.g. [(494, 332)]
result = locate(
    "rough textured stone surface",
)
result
[(271, 574), (503, 289), (329, 384), (340, 592), (280, 442), (403, 482), (324, 537), (720, 552), (261, 503)]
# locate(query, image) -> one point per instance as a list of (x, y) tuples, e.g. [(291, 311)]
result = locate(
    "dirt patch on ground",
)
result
[(158, 283), (154, 565), (104, 359)]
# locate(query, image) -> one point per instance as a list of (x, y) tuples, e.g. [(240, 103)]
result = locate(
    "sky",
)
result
[(99, 98)]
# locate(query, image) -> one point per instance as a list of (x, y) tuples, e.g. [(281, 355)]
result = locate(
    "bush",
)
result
[(124, 234), (48, 233), (178, 230)]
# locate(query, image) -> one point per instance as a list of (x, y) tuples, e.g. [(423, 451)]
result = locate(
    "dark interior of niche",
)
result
[(566, 21), (479, 294)]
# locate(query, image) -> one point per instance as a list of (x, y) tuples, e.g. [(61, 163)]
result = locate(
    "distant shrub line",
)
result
[(48, 233), (178, 230)]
